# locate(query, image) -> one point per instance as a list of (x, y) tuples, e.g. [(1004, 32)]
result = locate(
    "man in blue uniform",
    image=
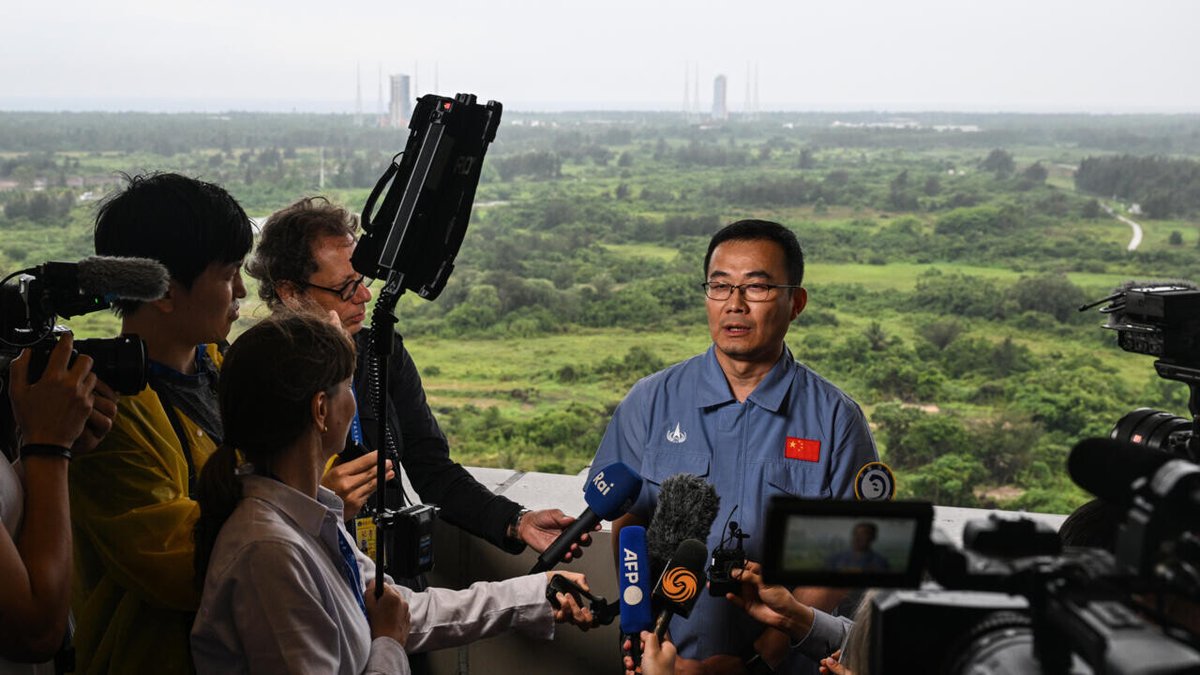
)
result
[(750, 420)]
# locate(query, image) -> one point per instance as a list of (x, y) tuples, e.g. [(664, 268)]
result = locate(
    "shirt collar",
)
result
[(713, 389), (306, 512), (204, 367)]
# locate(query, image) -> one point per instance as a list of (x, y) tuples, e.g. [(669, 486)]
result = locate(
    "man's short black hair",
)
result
[(872, 527), (752, 230), (184, 223)]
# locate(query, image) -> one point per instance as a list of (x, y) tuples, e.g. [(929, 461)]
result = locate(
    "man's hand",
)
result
[(355, 481), (570, 611), (54, 409), (100, 421), (773, 606), (539, 529)]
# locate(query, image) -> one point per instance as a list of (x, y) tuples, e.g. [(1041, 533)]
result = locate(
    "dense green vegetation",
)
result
[(945, 266)]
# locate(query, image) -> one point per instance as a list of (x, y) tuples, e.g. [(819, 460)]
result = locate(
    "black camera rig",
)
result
[(30, 307), (410, 242), (1160, 319), (1010, 599)]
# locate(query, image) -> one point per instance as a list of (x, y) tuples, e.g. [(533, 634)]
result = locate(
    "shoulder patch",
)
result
[(875, 482)]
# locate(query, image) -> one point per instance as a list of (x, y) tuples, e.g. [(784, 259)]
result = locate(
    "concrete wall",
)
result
[(462, 559)]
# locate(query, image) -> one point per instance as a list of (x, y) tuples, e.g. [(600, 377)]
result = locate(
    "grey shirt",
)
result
[(827, 635), (276, 598)]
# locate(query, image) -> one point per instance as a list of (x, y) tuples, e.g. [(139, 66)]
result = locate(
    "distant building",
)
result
[(400, 109), (719, 110)]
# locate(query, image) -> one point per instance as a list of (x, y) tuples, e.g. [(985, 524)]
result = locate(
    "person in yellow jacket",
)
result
[(134, 594)]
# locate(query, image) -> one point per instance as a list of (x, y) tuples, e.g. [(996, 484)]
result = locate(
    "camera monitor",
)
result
[(419, 226), (846, 543)]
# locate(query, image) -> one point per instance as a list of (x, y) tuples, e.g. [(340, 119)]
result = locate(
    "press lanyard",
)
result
[(356, 432), (352, 574)]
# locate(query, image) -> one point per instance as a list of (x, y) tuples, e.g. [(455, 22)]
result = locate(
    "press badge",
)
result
[(364, 535)]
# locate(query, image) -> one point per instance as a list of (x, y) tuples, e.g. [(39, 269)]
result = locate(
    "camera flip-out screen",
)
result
[(845, 543), (420, 224)]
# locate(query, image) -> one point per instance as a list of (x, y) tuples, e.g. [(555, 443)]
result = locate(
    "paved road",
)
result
[(1134, 241)]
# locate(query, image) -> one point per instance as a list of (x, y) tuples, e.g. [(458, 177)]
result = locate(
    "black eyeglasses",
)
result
[(719, 290), (346, 290)]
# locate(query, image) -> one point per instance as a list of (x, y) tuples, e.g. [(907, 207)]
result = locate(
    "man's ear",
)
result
[(799, 300), (289, 294)]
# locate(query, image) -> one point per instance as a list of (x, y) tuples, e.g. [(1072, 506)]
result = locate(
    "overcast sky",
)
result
[(1024, 55)]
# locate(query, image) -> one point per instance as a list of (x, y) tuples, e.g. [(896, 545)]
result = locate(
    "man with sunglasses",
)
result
[(752, 421), (303, 259)]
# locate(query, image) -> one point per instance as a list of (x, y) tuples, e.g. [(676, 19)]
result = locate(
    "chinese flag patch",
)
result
[(803, 449)]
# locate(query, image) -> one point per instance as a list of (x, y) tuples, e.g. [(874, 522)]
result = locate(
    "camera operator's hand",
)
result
[(54, 409), (354, 481), (100, 421), (570, 610), (539, 529), (388, 614), (774, 606)]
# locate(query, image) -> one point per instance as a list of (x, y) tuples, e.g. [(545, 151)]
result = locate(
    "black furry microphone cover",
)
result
[(687, 507)]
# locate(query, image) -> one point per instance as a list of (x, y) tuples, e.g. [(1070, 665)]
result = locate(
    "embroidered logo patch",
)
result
[(803, 449), (875, 482), (676, 435)]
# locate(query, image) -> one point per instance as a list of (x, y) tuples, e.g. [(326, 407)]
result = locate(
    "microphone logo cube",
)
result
[(680, 585), (632, 566), (602, 485)]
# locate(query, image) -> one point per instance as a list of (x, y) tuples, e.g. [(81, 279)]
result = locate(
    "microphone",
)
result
[(679, 585), (687, 508), (127, 278), (610, 494), (1115, 471), (633, 579), (70, 289)]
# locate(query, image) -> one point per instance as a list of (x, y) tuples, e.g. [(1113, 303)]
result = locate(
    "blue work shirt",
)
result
[(796, 434)]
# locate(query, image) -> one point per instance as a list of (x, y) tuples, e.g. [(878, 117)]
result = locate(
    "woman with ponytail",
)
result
[(283, 586)]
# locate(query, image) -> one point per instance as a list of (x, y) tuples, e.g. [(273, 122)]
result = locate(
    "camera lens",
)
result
[(120, 362), (1149, 427)]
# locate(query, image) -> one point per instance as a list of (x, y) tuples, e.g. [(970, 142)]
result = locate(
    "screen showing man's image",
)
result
[(848, 544)]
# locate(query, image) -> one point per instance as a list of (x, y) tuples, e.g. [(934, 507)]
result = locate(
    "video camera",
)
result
[(28, 310), (1010, 600), (1160, 319)]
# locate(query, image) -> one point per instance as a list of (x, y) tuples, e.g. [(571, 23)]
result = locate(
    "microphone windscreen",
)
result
[(612, 490), (633, 578), (687, 507), (129, 278), (1107, 468), (682, 578)]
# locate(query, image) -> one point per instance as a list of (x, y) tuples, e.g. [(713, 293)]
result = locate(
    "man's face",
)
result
[(332, 255), (863, 538), (751, 333), (210, 306)]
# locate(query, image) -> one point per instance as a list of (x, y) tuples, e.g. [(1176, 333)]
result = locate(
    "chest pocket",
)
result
[(658, 466), (796, 479)]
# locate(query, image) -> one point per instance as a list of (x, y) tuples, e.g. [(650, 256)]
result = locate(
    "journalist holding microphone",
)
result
[(284, 589)]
